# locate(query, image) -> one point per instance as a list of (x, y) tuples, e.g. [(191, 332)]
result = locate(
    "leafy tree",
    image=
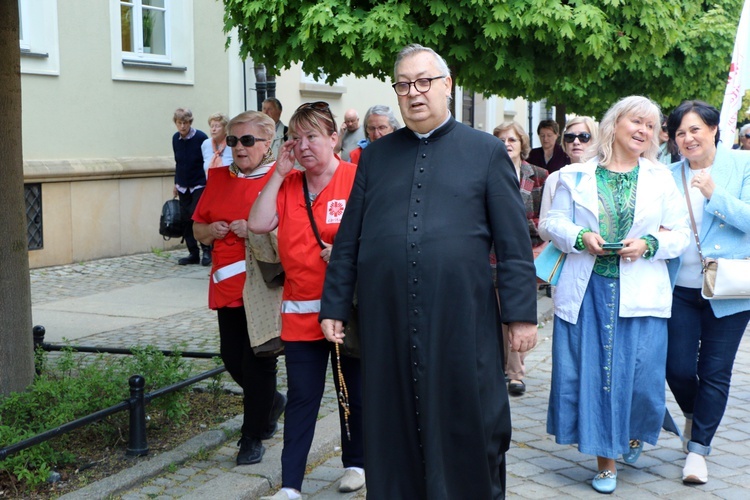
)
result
[(16, 350), (581, 53)]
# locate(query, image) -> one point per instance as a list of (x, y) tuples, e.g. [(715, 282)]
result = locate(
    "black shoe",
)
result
[(251, 451), (516, 388), (193, 258), (206, 261), (279, 403)]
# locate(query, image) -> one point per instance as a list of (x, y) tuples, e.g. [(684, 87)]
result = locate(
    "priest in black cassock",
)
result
[(428, 202)]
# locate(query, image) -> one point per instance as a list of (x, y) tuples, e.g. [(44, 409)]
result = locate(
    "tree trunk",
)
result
[(560, 116), (16, 345)]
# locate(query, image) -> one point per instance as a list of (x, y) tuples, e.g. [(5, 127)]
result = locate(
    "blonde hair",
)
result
[(255, 118), (219, 117), (593, 129), (640, 106), (519, 131)]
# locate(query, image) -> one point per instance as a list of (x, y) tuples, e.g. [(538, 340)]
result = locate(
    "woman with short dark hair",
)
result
[(704, 335)]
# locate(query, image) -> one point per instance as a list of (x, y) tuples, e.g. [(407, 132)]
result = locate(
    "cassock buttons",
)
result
[(413, 245), (416, 311), (419, 200), (424, 156), (415, 280), (426, 141), (415, 228), (419, 186), (414, 263), (415, 214)]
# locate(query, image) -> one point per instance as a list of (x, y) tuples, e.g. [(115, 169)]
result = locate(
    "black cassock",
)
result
[(415, 238)]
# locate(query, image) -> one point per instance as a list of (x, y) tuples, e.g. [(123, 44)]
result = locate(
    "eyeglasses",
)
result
[(747, 136), (246, 140), (381, 129), (663, 128), (584, 137), (421, 85)]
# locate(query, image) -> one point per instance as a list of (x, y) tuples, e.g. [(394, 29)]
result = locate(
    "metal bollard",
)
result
[(137, 445), (38, 331)]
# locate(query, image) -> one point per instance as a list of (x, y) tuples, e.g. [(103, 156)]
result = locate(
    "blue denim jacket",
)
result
[(725, 230)]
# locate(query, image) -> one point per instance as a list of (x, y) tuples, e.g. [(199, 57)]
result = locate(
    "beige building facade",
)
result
[(100, 82)]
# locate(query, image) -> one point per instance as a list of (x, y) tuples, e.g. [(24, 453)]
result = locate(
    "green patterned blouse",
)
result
[(616, 192), (616, 211)]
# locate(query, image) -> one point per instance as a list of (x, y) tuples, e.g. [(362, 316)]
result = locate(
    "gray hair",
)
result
[(640, 106), (745, 128), (381, 110), (415, 48)]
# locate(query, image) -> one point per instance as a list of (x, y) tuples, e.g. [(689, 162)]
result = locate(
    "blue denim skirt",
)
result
[(607, 375)]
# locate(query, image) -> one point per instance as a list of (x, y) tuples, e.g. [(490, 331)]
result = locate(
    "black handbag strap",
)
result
[(692, 218), (310, 212)]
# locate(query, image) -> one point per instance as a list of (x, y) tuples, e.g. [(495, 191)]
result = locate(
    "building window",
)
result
[(23, 28), (37, 36), (144, 29), (34, 234)]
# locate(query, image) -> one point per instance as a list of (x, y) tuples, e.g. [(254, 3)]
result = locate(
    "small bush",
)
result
[(72, 386)]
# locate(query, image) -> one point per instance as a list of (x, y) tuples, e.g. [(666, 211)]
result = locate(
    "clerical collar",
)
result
[(428, 134)]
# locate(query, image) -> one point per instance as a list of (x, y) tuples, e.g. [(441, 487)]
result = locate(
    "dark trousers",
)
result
[(700, 357), (256, 375), (306, 364), (188, 202)]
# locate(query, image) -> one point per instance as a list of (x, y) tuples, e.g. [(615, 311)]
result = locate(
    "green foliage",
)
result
[(581, 53), (72, 386)]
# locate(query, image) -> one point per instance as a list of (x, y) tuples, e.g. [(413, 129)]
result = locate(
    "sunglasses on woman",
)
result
[(317, 106), (246, 140), (584, 137)]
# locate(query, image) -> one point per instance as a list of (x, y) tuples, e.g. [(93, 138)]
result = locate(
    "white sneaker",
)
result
[(351, 481), (687, 434), (695, 470), (281, 495)]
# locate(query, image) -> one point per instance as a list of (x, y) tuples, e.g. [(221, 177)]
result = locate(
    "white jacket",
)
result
[(644, 283)]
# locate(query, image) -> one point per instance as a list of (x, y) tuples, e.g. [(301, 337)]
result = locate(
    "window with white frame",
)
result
[(38, 37), (154, 40), (23, 28), (144, 30)]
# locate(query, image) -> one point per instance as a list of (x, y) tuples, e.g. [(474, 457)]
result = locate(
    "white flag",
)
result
[(737, 82)]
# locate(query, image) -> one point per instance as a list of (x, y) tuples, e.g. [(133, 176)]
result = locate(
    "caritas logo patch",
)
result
[(334, 211)]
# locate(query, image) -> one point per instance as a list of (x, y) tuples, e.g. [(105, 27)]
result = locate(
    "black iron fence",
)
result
[(135, 404)]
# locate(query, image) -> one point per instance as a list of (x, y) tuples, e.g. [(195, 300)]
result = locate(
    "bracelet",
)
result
[(579, 239), (652, 245)]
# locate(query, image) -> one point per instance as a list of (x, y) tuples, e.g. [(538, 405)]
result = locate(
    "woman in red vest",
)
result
[(220, 220)]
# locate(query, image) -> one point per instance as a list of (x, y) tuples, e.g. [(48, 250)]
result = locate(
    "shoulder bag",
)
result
[(722, 278), (549, 262), (350, 348)]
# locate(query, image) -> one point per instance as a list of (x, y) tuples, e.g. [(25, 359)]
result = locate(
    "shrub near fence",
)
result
[(71, 386)]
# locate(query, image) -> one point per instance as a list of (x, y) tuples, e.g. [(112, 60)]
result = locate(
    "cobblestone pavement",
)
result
[(537, 466)]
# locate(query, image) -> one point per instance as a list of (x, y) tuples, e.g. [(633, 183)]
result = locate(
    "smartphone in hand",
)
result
[(613, 246)]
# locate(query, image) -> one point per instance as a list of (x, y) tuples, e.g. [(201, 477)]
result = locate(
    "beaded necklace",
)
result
[(343, 393)]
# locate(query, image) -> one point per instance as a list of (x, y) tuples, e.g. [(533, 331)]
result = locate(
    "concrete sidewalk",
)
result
[(148, 299)]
